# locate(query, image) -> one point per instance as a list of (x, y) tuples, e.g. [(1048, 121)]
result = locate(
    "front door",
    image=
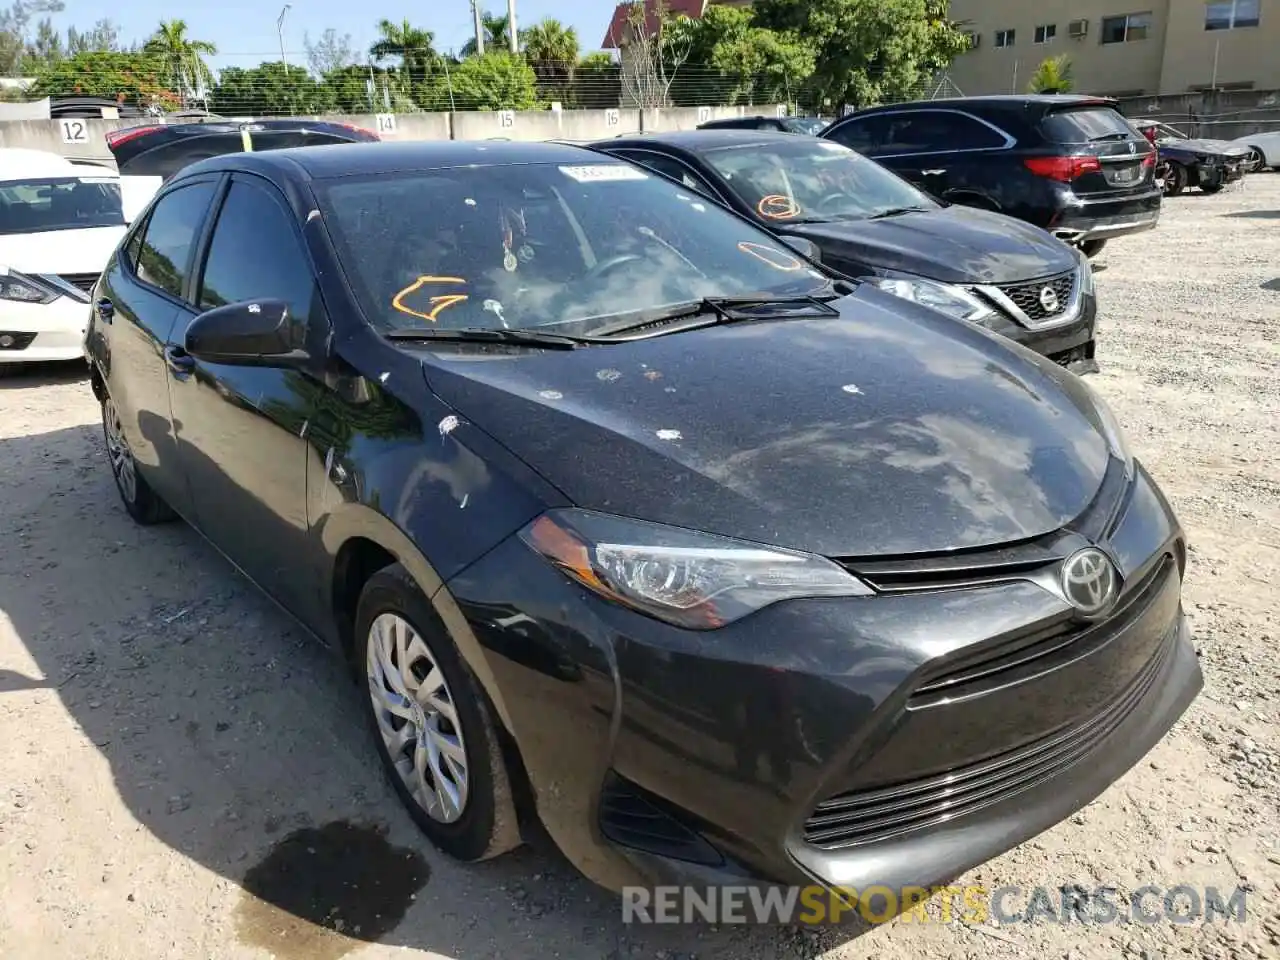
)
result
[(241, 430)]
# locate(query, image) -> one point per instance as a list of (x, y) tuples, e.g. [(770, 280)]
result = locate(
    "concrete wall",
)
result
[(1222, 116), (83, 139)]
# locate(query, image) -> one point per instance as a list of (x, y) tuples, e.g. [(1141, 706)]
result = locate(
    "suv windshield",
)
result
[(539, 245), (811, 179), (810, 125), (59, 203), (1085, 125)]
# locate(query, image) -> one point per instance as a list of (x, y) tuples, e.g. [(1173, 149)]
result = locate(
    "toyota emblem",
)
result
[(1049, 300), (1089, 581)]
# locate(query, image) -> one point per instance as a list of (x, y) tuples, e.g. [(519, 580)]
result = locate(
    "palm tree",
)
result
[(495, 31), (551, 49), (1052, 76), (413, 45), (183, 58)]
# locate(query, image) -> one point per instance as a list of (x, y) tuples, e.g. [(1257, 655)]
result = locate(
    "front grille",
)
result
[(15, 341), (1030, 297), (84, 281), (871, 815)]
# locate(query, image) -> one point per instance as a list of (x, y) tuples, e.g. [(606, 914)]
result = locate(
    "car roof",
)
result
[(364, 159), (17, 163), (996, 100), (703, 138)]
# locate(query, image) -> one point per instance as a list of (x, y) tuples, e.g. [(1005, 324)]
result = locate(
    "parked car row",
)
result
[(632, 519)]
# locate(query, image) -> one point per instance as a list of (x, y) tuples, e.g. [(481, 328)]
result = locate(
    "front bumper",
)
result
[(43, 331), (845, 742), (1220, 173)]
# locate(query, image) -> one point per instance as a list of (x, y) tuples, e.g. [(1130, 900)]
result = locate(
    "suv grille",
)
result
[(870, 815), (1031, 297)]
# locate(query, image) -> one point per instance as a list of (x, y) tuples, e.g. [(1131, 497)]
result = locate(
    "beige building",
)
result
[(1121, 47)]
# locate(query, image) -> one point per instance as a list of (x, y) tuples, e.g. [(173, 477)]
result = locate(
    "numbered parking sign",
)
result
[(386, 122), (74, 131), (704, 114), (611, 118), (506, 119)]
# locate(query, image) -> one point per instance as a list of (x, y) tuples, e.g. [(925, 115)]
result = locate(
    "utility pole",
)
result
[(512, 32), (475, 17), (284, 11)]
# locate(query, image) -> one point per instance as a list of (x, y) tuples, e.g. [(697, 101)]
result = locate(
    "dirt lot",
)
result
[(164, 731)]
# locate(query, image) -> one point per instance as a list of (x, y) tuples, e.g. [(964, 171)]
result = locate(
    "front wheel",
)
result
[(143, 504), (431, 721), (1256, 161), (1175, 180)]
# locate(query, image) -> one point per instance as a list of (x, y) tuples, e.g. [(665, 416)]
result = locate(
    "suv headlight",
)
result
[(696, 580), (947, 298), (24, 289)]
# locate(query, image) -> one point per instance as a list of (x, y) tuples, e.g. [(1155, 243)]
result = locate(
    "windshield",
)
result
[(1086, 125), (573, 247), (810, 179), (809, 125), (59, 203)]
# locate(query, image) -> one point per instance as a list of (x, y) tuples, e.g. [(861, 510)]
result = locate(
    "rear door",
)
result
[(1125, 158)]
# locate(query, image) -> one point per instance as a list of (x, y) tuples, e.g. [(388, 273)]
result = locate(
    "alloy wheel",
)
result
[(1255, 161), (415, 714), (118, 452)]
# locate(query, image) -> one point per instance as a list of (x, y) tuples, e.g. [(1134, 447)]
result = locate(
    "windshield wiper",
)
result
[(728, 310), (897, 212), (1109, 136), (525, 338)]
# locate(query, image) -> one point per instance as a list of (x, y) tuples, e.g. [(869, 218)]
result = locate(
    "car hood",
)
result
[(1223, 147), (953, 244), (888, 430), (60, 251)]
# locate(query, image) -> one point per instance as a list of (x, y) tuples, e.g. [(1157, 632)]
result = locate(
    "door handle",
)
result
[(179, 361), (105, 309)]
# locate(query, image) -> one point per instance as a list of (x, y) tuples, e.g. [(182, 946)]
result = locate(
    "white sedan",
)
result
[(59, 223), (1264, 149)]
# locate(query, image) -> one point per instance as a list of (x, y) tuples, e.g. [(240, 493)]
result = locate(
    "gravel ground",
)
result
[(169, 742)]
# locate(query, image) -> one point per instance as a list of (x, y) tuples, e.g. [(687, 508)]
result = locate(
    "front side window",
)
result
[(812, 180), (571, 246), (1046, 32), (175, 222), (59, 203), (1005, 38), (1230, 14), (865, 135), (1126, 28)]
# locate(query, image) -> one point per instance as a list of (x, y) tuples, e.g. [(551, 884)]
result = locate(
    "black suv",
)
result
[(1070, 164), (802, 125)]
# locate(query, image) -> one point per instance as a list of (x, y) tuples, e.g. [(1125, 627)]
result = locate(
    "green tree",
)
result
[(1052, 76), (183, 58), (331, 52), (137, 78), (749, 63), (348, 89), (414, 46), (494, 29), (868, 51), (494, 81), (597, 83), (15, 26), (551, 49), (269, 89)]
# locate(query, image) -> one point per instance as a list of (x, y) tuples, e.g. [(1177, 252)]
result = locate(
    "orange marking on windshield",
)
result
[(777, 206), (439, 303), (774, 258)]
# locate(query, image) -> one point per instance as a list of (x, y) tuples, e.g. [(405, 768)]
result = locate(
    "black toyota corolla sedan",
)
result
[(867, 222), (629, 518)]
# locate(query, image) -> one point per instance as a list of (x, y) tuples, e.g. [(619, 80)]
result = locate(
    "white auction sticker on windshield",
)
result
[(99, 180), (601, 172)]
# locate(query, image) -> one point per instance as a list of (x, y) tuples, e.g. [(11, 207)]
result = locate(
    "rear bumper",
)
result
[(1103, 219), (730, 745)]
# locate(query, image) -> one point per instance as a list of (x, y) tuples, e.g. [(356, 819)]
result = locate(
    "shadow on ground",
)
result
[(235, 739), (1255, 215), (17, 376)]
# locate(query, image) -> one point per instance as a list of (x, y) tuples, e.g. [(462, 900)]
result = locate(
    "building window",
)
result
[(972, 39), (1229, 14), (1004, 38), (1126, 28), (1046, 33)]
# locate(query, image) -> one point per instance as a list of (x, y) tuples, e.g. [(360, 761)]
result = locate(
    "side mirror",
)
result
[(804, 247), (255, 333)]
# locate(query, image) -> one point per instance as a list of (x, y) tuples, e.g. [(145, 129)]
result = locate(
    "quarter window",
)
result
[(1229, 14), (255, 254), (1126, 28), (1005, 38), (668, 166), (165, 255), (1046, 32)]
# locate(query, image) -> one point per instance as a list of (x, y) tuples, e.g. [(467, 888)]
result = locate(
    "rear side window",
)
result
[(165, 255), (1085, 125), (936, 131), (668, 166)]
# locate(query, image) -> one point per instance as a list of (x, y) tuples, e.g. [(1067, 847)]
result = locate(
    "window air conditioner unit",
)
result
[(1078, 29), (975, 40)]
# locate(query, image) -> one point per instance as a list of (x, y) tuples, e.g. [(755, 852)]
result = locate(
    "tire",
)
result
[(142, 503), (1092, 248), (1257, 161), (395, 621), (1175, 181)]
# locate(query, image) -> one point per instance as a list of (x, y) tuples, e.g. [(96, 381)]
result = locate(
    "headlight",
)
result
[(1086, 273), (951, 300), (1111, 428), (24, 289), (690, 579)]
